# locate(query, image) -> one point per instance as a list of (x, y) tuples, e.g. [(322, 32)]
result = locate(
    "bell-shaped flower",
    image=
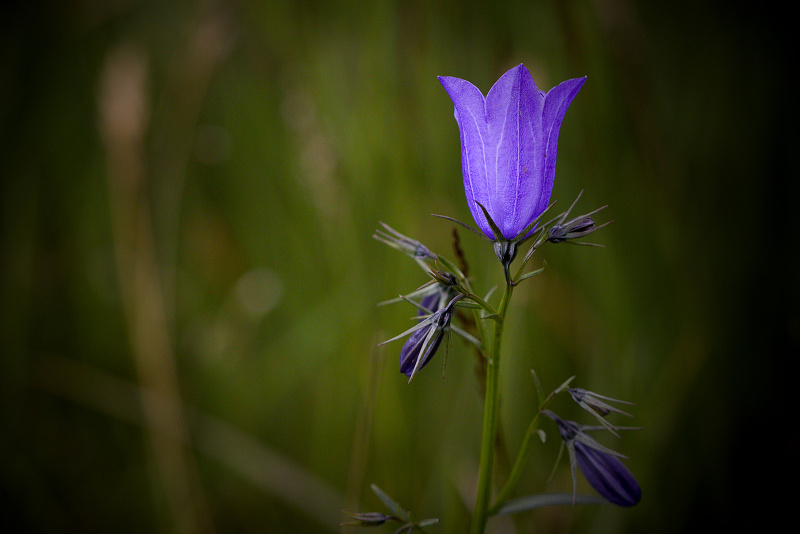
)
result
[(600, 465), (509, 141)]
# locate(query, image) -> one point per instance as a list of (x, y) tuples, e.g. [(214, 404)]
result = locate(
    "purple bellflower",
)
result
[(600, 465), (509, 141)]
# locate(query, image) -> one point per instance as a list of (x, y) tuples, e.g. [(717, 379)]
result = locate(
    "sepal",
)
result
[(595, 404)]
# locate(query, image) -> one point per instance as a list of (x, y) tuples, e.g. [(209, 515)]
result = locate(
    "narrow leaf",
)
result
[(531, 502), (539, 391), (390, 503)]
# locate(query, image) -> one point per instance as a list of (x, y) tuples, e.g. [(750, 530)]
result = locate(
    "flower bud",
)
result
[(367, 519), (435, 314), (600, 465), (580, 227)]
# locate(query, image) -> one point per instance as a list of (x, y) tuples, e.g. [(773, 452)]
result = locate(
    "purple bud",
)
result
[(427, 335), (600, 466), (430, 302), (607, 475), (410, 353)]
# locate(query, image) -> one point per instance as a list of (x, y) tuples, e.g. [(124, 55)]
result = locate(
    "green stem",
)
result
[(522, 456), (490, 420), (518, 468)]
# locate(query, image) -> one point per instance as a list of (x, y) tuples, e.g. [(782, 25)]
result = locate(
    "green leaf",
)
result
[(539, 390), (563, 386), (450, 266), (468, 304), (531, 502), (390, 503), (530, 274)]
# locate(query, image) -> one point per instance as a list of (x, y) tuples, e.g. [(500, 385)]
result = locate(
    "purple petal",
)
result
[(514, 114), (470, 113), (430, 302), (607, 475), (412, 348), (556, 103)]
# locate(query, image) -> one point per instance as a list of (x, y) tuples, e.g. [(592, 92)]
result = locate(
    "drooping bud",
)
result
[(600, 465), (426, 336)]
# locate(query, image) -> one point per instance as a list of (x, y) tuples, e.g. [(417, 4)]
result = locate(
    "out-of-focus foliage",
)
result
[(189, 286)]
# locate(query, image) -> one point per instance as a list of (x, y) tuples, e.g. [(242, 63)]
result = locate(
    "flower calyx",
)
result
[(595, 404)]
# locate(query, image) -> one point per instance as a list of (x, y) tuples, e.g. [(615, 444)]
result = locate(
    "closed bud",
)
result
[(600, 465), (367, 519)]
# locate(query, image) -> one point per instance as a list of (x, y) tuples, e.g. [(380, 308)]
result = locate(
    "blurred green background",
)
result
[(189, 283)]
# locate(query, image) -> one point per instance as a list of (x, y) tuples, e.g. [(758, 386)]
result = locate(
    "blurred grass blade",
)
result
[(279, 476)]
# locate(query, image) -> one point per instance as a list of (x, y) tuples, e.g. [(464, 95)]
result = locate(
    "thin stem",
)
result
[(521, 460), (518, 468), (482, 303), (490, 419)]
